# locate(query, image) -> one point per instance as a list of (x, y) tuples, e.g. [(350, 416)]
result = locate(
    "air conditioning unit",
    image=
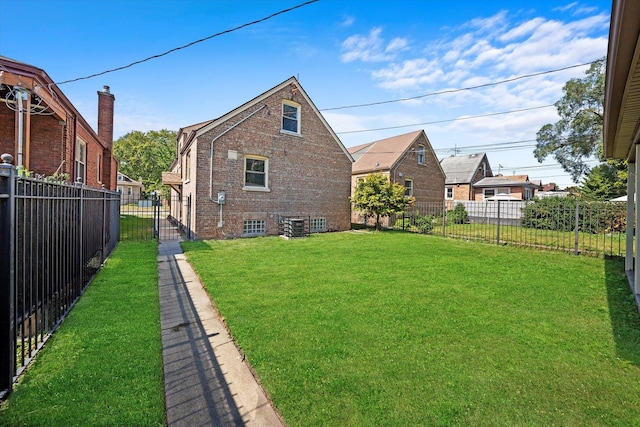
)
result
[(294, 227)]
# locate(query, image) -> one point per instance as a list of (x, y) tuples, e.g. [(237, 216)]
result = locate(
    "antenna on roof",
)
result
[(455, 150), (499, 167)]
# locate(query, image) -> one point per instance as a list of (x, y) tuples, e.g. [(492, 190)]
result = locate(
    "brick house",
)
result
[(406, 159), (45, 133), (130, 189), (462, 172), (244, 173), (514, 186)]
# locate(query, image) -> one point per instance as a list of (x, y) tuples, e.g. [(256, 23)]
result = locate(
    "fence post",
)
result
[(498, 229), (444, 218), (577, 223), (7, 275)]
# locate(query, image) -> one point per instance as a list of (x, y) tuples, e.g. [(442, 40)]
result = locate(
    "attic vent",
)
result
[(294, 227)]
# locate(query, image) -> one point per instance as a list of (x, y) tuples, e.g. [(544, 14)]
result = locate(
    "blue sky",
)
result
[(343, 52)]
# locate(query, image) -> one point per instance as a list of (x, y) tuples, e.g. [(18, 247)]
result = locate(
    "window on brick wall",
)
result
[(253, 227), (99, 169), (291, 117), (256, 173), (187, 166), (408, 187), (318, 225), (421, 160), (448, 193), (81, 161)]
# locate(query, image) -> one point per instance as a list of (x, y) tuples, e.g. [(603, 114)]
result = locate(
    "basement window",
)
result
[(253, 227), (318, 225)]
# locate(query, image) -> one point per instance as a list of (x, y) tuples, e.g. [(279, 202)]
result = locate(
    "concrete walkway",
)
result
[(207, 382)]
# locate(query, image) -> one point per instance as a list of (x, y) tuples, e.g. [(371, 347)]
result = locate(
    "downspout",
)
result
[(211, 160)]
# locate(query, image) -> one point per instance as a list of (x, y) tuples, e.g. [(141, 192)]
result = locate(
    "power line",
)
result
[(456, 90), (448, 120), (189, 44)]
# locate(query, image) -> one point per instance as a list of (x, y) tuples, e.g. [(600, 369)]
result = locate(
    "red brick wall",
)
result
[(309, 175), (428, 178)]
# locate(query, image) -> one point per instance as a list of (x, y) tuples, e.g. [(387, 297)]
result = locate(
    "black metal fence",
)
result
[(53, 239), (148, 217), (570, 225)]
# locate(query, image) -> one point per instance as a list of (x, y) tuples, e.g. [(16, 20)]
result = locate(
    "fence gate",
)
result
[(147, 218)]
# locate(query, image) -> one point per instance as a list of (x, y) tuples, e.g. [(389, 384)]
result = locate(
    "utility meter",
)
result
[(221, 198)]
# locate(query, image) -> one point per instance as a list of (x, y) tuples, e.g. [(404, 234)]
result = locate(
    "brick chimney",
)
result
[(105, 134)]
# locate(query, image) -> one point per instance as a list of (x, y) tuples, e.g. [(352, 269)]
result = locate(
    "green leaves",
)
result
[(577, 136), (375, 195), (146, 155)]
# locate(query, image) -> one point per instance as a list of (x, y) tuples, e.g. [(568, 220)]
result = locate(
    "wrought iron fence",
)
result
[(53, 239), (149, 217), (572, 225)]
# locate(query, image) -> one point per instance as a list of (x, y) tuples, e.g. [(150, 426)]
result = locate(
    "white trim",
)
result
[(298, 114), (264, 159)]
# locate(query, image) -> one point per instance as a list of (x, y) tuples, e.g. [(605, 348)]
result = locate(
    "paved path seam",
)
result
[(207, 381)]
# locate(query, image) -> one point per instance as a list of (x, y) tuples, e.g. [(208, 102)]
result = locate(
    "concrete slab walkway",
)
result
[(207, 382)]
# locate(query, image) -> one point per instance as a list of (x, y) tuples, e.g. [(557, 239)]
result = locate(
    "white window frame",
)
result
[(410, 188), (485, 190), (187, 166), (296, 119), (81, 161), (266, 173), (318, 225), (421, 155), (99, 169), (446, 193), (254, 227), (496, 191), (528, 194)]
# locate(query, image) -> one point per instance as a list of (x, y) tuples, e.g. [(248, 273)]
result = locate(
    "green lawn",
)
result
[(135, 227), (103, 367), (362, 329)]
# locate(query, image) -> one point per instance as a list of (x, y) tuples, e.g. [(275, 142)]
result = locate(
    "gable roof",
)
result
[(385, 153), (501, 181), (461, 169), (258, 102)]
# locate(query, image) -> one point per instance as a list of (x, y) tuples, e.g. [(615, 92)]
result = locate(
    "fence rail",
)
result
[(53, 239), (589, 228)]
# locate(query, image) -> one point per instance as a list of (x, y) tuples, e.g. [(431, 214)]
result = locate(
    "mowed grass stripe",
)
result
[(103, 367), (403, 329)]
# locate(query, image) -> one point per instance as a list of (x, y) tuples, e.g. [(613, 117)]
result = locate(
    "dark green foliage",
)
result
[(145, 155), (458, 215), (559, 214), (425, 223), (606, 181), (577, 136)]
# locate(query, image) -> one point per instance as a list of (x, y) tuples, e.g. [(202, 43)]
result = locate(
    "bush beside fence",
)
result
[(590, 228)]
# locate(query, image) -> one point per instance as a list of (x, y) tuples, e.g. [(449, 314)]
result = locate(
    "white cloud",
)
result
[(372, 47), (495, 48)]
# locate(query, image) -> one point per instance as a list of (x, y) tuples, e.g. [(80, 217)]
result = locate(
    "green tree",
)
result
[(605, 181), (146, 155), (375, 195), (577, 136)]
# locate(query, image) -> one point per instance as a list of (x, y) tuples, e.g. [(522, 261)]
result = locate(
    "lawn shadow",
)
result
[(623, 311), (196, 391)]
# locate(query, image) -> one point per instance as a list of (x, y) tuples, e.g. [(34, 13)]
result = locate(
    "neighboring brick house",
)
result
[(515, 187), (462, 172), (406, 159), (273, 158), (130, 189), (45, 133)]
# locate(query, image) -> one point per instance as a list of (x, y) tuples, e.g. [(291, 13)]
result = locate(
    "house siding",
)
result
[(308, 175)]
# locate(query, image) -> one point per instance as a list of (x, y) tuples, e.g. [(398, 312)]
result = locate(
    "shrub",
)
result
[(559, 214), (458, 215), (424, 223)]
